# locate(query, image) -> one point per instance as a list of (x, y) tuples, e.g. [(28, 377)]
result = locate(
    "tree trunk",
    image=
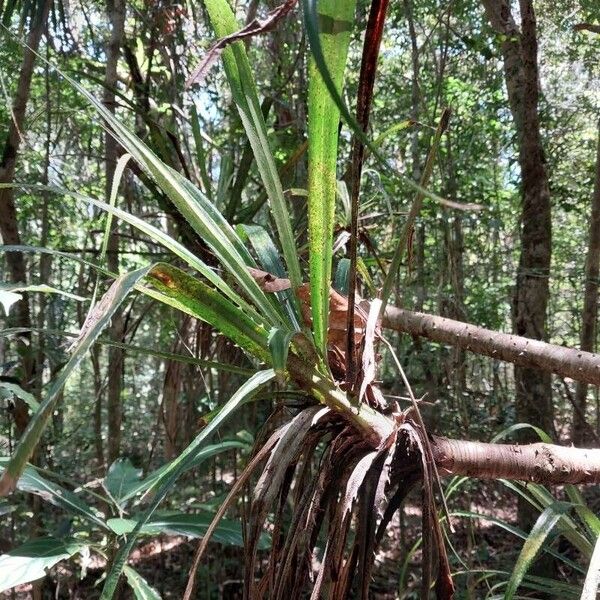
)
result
[(8, 212), (116, 16), (533, 387), (590, 305), (519, 49)]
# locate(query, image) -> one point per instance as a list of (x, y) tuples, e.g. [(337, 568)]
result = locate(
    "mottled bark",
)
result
[(524, 352), (519, 50), (589, 316), (116, 15), (9, 229)]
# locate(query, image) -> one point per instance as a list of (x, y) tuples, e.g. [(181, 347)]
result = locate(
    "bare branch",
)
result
[(567, 362), (254, 27), (587, 27), (540, 463)]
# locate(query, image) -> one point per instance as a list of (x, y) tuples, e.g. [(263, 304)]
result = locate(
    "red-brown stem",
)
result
[(366, 82)]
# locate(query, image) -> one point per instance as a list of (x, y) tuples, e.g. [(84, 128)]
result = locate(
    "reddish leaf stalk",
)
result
[(368, 69)]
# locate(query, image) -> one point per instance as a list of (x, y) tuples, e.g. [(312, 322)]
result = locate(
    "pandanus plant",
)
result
[(345, 459)]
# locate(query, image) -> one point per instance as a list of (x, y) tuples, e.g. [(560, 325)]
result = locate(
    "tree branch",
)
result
[(587, 27), (541, 463), (567, 362)]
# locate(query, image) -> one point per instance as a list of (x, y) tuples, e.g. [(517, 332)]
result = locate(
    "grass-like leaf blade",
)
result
[(540, 531), (335, 19), (243, 90), (98, 320), (142, 590)]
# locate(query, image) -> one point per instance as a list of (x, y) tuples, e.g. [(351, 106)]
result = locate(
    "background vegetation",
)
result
[(156, 376)]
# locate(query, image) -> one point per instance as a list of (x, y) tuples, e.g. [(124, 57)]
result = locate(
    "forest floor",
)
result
[(164, 561)]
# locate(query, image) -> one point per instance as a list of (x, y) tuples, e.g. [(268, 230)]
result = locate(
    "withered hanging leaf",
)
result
[(356, 479), (255, 27), (369, 362)]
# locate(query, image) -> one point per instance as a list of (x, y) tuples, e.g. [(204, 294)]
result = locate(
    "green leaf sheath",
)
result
[(91, 330), (243, 90), (335, 20)]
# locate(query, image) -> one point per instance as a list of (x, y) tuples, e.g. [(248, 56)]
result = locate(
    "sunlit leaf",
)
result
[(30, 561), (538, 535), (191, 525), (335, 21), (142, 590), (243, 90), (592, 579)]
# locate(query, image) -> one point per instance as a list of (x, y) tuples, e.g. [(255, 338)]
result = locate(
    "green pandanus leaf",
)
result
[(335, 24), (192, 296), (243, 91)]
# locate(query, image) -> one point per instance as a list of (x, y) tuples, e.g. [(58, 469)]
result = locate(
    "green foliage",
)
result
[(191, 525), (335, 20), (165, 483), (96, 322), (29, 561), (139, 585), (540, 531), (243, 90)]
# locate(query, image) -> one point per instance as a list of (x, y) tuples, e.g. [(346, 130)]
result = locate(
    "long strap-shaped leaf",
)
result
[(184, 292), (311, 22), (177, 467), (202, 216), (592, 579), (243, 90), (335, 20), (92, 328), (157, 236), (540, 531)]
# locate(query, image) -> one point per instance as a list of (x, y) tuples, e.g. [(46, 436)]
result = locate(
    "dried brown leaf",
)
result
[(268, 282)]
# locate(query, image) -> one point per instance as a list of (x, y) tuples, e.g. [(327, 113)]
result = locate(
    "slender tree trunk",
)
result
[(116, 16), (98, 393), (9, 228), (533, 387), (590, 305), (519, 49)]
